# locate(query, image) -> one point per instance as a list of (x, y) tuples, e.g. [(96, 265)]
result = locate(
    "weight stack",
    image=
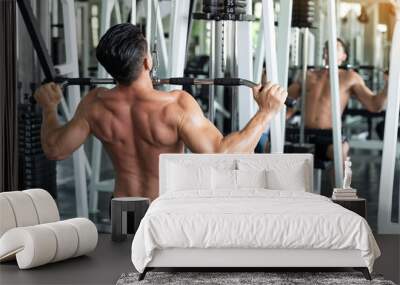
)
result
[(35, 170), (224, 10), (231, 7), (303, 14)]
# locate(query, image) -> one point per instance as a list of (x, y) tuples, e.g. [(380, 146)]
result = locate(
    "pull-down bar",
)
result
[(64, 82)]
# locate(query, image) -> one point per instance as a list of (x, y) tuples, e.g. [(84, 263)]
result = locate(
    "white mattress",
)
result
[(252, 218)]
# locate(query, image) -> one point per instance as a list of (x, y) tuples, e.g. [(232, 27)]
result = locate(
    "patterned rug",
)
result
[(243, 278)]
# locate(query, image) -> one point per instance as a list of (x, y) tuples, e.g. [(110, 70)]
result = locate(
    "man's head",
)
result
[(342, 52), (123, 52)]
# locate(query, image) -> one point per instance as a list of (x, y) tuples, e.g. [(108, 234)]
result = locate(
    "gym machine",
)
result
[(231, 56), (31, 159), (225, 18), (385, 223), (228, 14), (303, 18), (50, 73), (69, 68)]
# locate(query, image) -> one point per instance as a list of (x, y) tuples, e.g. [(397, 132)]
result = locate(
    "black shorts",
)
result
[(321, 138)]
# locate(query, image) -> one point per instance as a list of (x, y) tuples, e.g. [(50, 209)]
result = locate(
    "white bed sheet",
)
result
[(251, 218)]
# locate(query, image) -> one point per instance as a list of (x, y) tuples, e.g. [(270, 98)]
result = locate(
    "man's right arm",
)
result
[(201, 136), (294, 89), (59, 141), (370, 101), (294, 92)]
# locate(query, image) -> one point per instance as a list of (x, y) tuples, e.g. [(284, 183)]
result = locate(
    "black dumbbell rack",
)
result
[(35, 170)]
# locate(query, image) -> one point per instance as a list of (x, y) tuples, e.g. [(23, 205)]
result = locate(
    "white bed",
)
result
[(215, 211)]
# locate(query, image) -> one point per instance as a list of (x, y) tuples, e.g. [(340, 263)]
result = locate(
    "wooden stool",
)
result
[(125, 213)]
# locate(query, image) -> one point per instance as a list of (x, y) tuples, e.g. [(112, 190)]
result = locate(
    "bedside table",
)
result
[(358, 206), (126, 214)]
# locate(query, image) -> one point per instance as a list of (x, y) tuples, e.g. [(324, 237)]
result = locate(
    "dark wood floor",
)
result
[(106, 264), (103, 266)]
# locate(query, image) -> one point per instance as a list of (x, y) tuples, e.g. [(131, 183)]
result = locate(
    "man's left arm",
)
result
[(370, 101), (59, 141)]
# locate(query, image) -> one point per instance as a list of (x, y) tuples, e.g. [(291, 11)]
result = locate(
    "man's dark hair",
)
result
[(345, 48), (344, 45), (342, 42), (121, 51)]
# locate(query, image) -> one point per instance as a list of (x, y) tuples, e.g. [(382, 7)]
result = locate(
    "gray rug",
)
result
[(233, 278)]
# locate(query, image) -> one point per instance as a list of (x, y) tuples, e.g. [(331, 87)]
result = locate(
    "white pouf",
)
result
[(23, 208), (30, 230), (7, 218), (45, 205), (37, 245)]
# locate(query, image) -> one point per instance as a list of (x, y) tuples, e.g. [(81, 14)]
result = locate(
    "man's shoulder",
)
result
[(352, 77), (182, 98), (93, 94), (313, 73), (90, 102), (351, 73), (182, 103)]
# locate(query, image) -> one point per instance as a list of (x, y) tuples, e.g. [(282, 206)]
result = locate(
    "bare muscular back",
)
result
[(137, 123), (135, 130), (318, 101)]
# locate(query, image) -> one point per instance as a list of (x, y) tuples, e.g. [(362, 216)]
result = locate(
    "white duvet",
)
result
[(252, 218)]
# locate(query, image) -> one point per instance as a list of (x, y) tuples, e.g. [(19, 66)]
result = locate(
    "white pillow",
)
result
[(224, 179), (251, 178), (294, 179), (183, 177)]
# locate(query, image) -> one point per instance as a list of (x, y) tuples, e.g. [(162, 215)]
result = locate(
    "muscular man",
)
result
[(136, 123), (318, 113)]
